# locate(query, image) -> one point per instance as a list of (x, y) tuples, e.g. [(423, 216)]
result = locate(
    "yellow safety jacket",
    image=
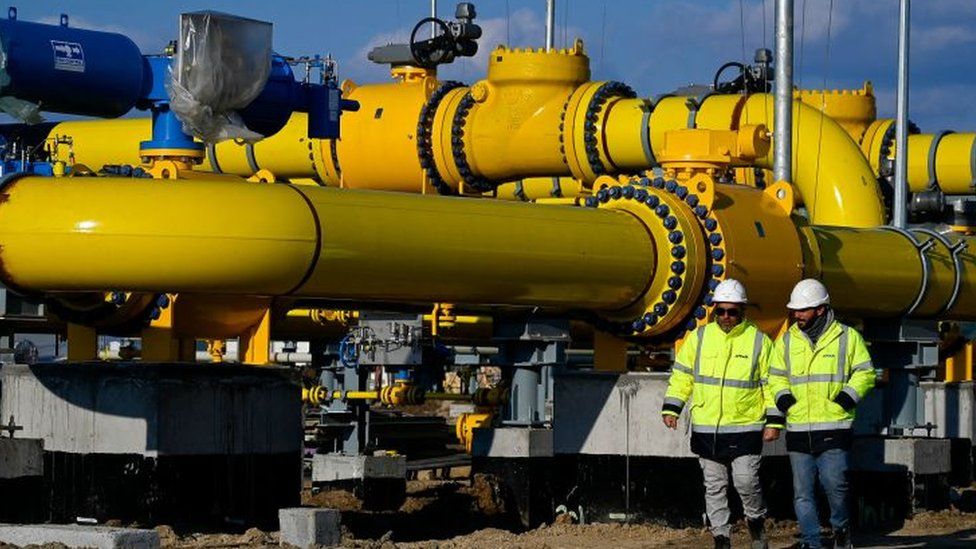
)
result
[(724, 376), (819, 386)]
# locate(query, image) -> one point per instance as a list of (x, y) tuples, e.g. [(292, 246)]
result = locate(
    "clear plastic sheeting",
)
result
[(25, 111), (222, 64)]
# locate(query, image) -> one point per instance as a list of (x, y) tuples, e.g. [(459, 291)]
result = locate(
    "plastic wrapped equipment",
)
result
[(222, 64)]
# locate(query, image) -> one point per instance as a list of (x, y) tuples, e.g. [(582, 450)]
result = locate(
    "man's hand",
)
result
[(770, 434), (671, 422)]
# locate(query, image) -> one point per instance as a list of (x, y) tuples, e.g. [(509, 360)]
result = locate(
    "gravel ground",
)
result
[(463, 515)]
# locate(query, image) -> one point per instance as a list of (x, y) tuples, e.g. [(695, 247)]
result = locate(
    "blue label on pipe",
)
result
[(68, 56)]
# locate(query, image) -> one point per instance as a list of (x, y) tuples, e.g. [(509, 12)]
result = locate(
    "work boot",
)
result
[(842, 539), (723, 542), (757, 530)]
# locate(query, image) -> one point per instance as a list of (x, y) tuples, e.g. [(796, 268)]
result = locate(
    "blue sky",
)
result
[(653, 45)]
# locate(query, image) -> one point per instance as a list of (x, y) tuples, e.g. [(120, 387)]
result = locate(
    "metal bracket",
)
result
[(921, 248), (645, 132), (11, 427), (694, 104), (956, 251)]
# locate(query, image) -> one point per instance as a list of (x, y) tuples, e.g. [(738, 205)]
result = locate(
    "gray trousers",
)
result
[(745, 477)]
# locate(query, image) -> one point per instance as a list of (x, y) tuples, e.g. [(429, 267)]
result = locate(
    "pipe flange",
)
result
[(887, 141), (679, 240), (603, 94), (714, 256), (425, 139), (468, 177)]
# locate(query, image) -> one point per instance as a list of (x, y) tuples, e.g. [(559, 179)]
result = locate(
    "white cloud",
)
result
[(524, 28), (942, 36)]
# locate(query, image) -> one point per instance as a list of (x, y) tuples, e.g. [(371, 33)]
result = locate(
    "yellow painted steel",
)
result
[(378, 149), (315, 324), (96, 143), (522, 254), (953, 161), (752, 225), (883, 272), (535, 188), (466, 423), (530, 117), (265, 240), (833, 178), (168, 236), (853, 109)]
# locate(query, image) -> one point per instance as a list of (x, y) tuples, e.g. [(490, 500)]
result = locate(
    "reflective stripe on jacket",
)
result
[(724, 376), (815, 375)]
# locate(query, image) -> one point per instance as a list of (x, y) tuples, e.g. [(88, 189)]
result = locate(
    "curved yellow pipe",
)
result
[(833, 178)]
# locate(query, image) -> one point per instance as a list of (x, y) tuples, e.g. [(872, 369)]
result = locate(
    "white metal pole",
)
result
[(900, 214)]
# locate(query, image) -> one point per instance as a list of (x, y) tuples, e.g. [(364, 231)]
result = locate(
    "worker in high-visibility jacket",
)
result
[(818, 372), (720, 373)]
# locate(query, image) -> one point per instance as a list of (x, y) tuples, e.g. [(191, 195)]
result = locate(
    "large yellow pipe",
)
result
[(220, 237), (308, 242), (885, 272)]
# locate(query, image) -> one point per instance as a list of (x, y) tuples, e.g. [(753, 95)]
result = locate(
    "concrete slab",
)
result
[(457, 408), (72, 535), (336, 467), (512, 442), (603, 413), (920, 456), (950, 408), (306, 527), (21, 457), (154, 409)]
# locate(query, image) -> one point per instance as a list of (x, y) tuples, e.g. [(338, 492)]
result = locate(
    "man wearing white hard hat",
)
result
[(818, 372), (722, 369)]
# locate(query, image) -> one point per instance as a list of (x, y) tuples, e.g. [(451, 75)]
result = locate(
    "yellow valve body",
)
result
[(854, 109)]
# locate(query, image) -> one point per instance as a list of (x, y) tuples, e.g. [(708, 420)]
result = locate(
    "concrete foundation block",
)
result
[(336, 467), (306, 527), (71, 535), (606, 413), (920, 456), (21, 457), (153, 409), (458, 408), (512, 442)]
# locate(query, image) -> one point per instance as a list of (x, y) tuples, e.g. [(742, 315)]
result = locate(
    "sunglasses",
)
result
[(733, 312)]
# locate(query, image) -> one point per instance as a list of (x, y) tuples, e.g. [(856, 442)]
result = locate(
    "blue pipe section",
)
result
[(68, 70)]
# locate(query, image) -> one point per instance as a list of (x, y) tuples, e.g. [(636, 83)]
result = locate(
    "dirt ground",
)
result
[(463, 515)]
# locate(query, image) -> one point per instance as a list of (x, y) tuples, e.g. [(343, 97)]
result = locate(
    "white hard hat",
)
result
[(730, 291), (808, 293)]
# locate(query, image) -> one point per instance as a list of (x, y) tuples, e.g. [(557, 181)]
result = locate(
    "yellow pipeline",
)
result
[(534, 115), (944, 161), (616, 259), (287, 154), (315, 241), (884, 272), (834, 180)]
